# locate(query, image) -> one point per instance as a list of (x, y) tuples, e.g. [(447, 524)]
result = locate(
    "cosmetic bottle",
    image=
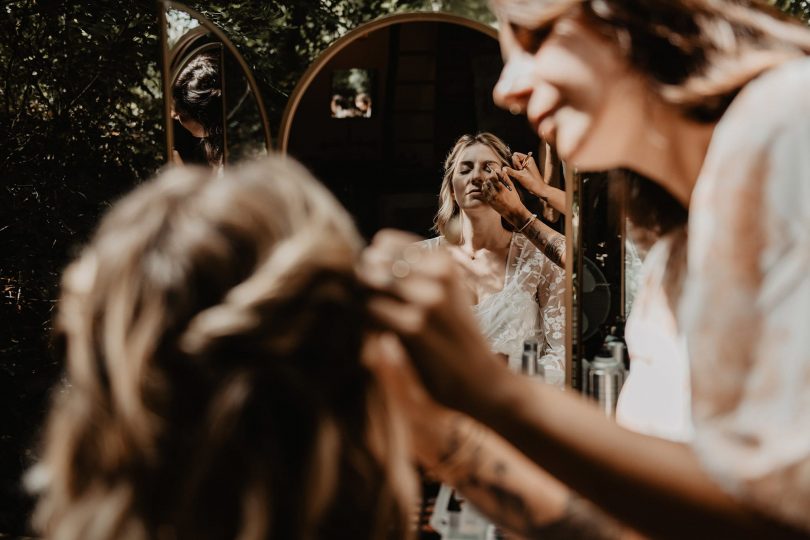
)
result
[(529, 362), (605, 376)]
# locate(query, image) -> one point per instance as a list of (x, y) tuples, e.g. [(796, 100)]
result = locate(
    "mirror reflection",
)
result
[(427, 82), (516, 289), (215, 109), (197, 95), (352, 91)]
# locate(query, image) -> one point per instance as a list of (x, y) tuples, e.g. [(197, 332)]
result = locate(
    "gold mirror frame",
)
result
[(573, 271), (166, 70)]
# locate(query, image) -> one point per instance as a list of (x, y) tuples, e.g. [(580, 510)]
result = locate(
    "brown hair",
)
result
[(695, 54), (212, 333), (197, 94), (445, 220)]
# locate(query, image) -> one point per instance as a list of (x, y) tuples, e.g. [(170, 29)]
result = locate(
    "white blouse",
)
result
[(746, 303), (531, 305), (655, 397)]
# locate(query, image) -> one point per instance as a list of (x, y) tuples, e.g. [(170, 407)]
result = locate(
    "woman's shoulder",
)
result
[(772, 102), (762, 137)]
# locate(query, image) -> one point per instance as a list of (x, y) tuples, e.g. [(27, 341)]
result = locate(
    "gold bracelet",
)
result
[(534, 216)]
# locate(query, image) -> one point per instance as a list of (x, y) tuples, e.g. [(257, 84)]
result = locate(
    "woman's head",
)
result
[(212, 333), (473, 159), (584, 71), (197, 103)]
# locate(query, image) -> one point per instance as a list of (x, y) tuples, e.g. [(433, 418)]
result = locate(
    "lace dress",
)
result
[(531, 305), (655, 397)]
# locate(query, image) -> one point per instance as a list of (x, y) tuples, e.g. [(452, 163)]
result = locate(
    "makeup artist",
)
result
[(717, 117)]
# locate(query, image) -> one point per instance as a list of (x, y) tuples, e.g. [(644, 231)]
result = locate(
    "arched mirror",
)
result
[(378, 111), (214, 112)]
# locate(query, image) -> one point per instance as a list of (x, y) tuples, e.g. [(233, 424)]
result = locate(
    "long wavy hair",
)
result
[(694, 54), (445, 222), (197, 94), (212, 334)]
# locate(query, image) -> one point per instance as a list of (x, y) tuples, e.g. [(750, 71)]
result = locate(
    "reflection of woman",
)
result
[(362, 102), (197, 104), (716, 117), (212, 332), (517, 291)]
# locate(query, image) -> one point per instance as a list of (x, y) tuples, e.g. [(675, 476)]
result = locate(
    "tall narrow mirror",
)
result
[(214, 112)]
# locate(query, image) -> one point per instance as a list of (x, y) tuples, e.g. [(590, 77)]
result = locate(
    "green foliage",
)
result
[(80, 123), (796, 8)]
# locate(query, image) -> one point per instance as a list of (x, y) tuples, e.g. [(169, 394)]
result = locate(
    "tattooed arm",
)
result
[(498, 479), (501, 195), (548, 241), (511, 490)]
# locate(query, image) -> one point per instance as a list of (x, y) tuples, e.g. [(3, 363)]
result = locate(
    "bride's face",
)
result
[(476, 164)]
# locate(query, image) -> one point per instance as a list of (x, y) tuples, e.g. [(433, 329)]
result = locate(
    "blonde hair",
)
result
[(445, 222), (212, 333), (695, 54)]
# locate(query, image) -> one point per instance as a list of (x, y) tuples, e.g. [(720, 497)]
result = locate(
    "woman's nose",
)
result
[(514, 87), (481, 174)]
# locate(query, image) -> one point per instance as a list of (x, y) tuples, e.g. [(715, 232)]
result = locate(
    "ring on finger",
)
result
[(400, 268)]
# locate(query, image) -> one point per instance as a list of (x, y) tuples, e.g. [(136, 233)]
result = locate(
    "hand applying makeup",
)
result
[(524, 170), (499, 192)]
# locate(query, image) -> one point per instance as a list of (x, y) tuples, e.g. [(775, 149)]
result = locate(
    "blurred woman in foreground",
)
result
[(212, 332)]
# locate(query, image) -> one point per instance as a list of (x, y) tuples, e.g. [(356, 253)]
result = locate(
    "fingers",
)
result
[(394, 266), (490, 190), (521, 175), (529, 177), (506, 180)]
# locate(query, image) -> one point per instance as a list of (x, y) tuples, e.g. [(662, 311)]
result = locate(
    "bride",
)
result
[(516, 290)]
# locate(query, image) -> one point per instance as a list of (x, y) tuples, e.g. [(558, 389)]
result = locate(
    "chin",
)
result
[(582, 157)]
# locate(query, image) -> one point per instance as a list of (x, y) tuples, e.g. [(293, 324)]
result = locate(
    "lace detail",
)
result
[(530, 305), (746, 299)]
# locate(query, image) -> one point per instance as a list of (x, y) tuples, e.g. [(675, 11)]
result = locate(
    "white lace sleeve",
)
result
[(747, 299), (551, 301)]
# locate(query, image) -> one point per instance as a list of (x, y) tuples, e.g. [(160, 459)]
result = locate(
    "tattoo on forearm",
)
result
[(453, 441), (581, 520), (509, 507), (547, 240)]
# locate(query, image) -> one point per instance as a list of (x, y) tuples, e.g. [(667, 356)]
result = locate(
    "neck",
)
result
[(483, 230), (672, 152)]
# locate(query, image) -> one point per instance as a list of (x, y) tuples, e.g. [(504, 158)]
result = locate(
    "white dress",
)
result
[(531, 305), (746, 303), (655, 397)]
